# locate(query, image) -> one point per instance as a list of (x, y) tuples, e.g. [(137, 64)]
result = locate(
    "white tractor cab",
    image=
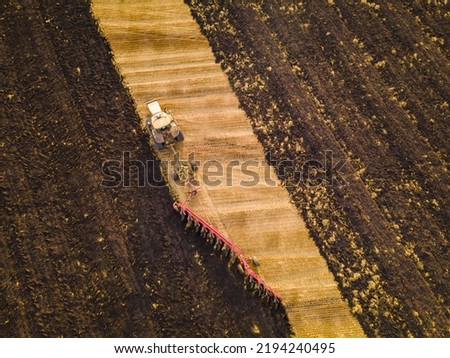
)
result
[(161, 126)]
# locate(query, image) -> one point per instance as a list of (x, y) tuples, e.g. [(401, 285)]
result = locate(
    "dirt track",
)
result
[(367, 82), (161, 54), (78, 259)]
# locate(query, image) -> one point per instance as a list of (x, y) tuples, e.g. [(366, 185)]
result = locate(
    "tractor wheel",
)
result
[(158, 146), (148, 124), (180, 137)]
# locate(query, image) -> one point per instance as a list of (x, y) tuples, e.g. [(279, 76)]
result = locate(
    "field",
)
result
[(348, 102), (161, 54), (78, 259), (359, 93)]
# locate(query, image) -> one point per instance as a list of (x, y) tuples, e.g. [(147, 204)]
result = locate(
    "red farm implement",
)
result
[(221, 243)]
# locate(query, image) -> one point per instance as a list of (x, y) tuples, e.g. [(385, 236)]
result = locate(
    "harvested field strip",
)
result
[(318, 78), (150, 50), (79, 259)]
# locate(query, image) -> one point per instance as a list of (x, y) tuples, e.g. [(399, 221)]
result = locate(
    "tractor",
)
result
[(161, 126)]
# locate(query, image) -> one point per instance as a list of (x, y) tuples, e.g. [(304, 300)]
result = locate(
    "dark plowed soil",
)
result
[(79, 259), (351, 102)]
